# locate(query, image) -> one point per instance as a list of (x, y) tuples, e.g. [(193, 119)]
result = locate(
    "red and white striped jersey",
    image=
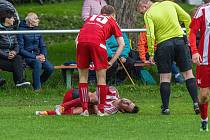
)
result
[(201, 21), (111, 96)]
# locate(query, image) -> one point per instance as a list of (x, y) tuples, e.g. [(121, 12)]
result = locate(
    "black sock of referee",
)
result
[(192, 89), (165, 91)]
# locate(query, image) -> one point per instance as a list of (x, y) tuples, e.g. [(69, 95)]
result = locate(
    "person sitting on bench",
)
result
[(33, 50)]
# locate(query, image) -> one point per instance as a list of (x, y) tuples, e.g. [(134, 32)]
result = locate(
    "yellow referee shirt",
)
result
[(162, 21)]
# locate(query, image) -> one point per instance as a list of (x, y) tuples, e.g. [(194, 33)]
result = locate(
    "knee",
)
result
[(203, 99)]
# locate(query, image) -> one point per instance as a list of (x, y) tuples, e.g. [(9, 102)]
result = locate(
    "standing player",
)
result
[(201, 56), (91, 48), (162, 24), (71, 104)]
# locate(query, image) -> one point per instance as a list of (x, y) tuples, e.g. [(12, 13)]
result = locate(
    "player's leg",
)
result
[(165, 92), (100, 60), (83, 90), (164, 59), (101, 90), (203, 97), (83, 61)]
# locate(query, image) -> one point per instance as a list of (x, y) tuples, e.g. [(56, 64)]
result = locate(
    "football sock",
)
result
[(68, 95), (71, 103), (204, 111), (192, 89), (101, 93), (84, 98), (165, 93)]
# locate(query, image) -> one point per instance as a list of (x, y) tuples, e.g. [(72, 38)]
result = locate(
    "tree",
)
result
[(127, 16)]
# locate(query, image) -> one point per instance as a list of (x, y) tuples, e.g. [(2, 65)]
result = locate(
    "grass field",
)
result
[(17, 107)]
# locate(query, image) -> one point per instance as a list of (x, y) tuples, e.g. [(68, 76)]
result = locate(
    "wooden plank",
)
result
[(66, 67), (142, 64)]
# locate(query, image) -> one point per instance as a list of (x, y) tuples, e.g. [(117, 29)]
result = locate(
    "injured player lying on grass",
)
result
[(71, 104)]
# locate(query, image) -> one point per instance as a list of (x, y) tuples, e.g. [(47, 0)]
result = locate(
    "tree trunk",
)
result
[(127, 16)]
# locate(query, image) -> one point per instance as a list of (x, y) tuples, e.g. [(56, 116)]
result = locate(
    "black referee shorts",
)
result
[(173, 49)]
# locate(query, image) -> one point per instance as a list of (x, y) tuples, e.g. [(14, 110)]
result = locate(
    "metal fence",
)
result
[(61, 31)]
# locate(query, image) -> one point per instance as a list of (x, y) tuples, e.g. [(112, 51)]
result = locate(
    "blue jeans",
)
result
[(174, 69), (39, 77)]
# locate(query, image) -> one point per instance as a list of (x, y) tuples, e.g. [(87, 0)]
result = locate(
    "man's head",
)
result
[(127, 106), (32, 19), (108, 10), (143, 6)]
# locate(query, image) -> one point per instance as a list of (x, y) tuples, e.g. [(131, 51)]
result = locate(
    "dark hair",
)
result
[(108, 10), (6, 14), (135, 109)]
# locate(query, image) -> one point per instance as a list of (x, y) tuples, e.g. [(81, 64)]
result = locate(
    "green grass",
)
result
[(73, 7), (17, 106)]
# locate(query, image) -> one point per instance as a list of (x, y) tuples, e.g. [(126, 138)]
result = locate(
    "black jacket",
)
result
[(8, 42)]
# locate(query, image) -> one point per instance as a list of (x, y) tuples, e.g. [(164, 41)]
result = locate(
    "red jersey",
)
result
[(111, 96), (201, 21), (98, 28)]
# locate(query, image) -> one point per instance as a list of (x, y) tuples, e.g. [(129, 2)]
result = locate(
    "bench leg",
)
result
[(69, 78)]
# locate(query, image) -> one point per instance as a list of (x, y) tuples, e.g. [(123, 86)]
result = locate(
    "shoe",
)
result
[(59, 109), (165, 111), (85, 113), (196, 108), (204, 126), (2, 81), (179, 79), (23, 84), (41, 113)]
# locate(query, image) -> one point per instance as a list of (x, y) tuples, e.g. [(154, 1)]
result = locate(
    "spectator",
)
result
[(144, 57), (71, 104), (91, 47), (10, 60), (128, 62), (33, 50), (92, 7), (200, 56), (166, 30)]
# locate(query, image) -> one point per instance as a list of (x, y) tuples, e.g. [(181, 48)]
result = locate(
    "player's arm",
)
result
[(194, 28), (183, 17), (150, 34), (121, 45)]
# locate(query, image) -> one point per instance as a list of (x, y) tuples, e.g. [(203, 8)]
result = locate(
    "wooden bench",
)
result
[(69, 72), (70, 69)]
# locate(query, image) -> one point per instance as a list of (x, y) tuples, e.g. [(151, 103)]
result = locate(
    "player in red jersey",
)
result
[(71, 104), (201, 56), (91, 47)]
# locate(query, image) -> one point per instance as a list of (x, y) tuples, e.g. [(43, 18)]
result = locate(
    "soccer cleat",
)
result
[(165, 111), (196, 108), (59, 109), (41, 113), (85, 113), (204, 126)]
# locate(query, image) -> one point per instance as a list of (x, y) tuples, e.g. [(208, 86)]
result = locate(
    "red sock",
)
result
[(51, 112), (70, 104), (68, 95), (101, 92), (84, 98), (204, 110)]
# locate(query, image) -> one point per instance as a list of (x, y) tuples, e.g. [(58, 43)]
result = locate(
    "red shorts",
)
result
[(89, 52), (203, 76)]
